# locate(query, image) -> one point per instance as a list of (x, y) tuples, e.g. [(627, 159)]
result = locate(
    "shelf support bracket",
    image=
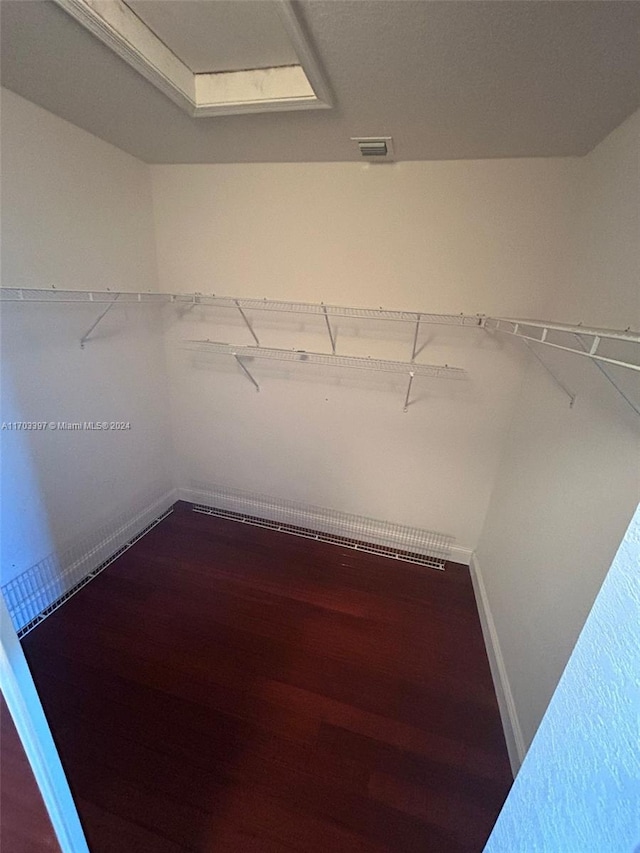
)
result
[(246, 371), (189, 307), (406, 399), (606, 373), (414, 351), (248, 324), (87, 334), (329, 329), (559, 383)]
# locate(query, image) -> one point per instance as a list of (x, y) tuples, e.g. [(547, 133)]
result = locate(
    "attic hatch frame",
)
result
[(279, 88)]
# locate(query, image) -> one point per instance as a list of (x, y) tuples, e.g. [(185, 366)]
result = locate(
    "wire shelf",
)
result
[(398, 541), (527, 329), (327, 360), (53, 295), (319, 536), (609, 334), (45, 586), (320, 309)]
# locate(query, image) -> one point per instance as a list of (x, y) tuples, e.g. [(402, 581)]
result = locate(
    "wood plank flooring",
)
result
[(24, 823), (222, 687)]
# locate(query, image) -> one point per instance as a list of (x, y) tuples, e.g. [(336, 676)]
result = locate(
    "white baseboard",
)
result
[(43, 587), (508, 713), (461, 555)]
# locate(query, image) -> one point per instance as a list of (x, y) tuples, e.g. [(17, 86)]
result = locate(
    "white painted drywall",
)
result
[(569, 479), (76, 212), (602, 285), (579, 786), (435, 237), (463, 236)]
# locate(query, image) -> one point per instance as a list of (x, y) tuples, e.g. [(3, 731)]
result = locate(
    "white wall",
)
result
[(441, 237), (459, 236), (602, 284), (579, 786), (76, 210), (569, 479), (76, 213)]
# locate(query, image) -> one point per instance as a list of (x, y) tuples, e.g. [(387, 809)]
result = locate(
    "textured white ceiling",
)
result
[(447, 80), (226, 35)]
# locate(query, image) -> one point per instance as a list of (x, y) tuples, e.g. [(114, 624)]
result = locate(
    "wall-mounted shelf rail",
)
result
[(187, 301), (243, 354), (526, 329), (330, 311), (578, 340), (53, 295)]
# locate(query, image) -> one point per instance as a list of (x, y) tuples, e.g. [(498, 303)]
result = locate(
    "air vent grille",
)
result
[(375, 148)]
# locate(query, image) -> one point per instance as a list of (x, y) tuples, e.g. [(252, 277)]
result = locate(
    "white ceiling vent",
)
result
[(376, 149)]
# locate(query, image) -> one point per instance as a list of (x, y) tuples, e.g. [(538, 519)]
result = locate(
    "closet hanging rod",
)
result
[(327, 360)]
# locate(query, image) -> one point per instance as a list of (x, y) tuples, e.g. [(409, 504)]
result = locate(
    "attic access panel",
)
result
[(297, 84)]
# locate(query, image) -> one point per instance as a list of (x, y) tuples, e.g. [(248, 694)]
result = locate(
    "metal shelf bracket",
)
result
[(246, 371), (406, 399), (87, 334), (556, 379), (246, 320), (414, 350), (331, 337), (192, 304), (601, 367)]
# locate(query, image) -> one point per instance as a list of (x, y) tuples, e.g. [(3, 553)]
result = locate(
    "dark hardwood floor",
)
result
[(24, 823), (222, 687)]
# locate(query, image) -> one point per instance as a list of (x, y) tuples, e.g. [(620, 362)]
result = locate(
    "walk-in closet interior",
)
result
[(320, 425)]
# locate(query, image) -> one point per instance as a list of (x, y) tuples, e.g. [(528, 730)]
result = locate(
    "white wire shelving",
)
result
[(54, 295), (595, 337), (579, 340), (576, 340), (408, 369), (190, 300), (332, 311), (109, 298)]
